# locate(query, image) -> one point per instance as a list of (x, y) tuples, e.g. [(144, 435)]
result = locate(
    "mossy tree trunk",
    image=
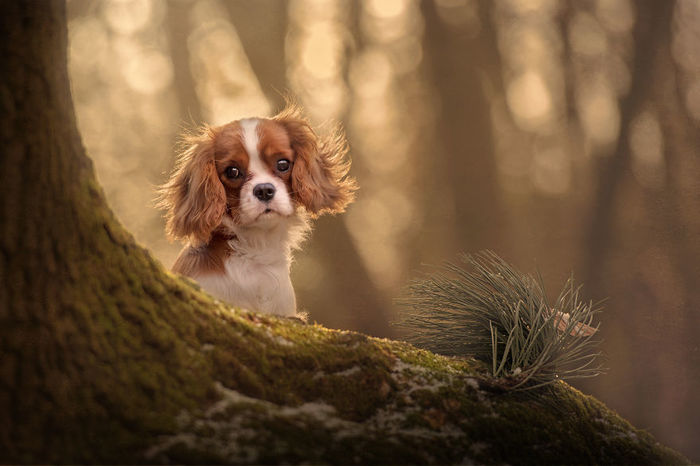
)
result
[(106, 357), (94, 332)]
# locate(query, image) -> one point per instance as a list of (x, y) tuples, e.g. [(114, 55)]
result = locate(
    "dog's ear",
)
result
[(193, 197), (319, 173)]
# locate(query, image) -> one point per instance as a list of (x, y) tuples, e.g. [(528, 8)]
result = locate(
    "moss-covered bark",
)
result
[(106, 357)]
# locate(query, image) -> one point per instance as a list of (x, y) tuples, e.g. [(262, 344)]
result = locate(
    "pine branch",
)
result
[(499, 315)]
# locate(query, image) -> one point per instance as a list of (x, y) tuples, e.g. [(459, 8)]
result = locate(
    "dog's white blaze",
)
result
[(251, 139), (258, 173), (256, 168), (250, 136)]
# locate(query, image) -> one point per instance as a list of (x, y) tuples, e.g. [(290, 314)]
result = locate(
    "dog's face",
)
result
[(254, 161), (252, 173)]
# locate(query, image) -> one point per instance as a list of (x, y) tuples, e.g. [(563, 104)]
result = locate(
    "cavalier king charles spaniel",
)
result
[(241, 195)]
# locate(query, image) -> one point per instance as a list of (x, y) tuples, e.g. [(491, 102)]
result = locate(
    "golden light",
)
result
[(89, 42), (379, 216), (322, 51), (386, 8), (306, 13), (529, 100), (598, 110), (524, 7), (128, 16), (316, 56), (148, 71), (385, 22), (226, 85), (371, 73), (526, 46)]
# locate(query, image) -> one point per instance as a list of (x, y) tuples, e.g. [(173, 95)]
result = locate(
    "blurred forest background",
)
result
[(562, 134)]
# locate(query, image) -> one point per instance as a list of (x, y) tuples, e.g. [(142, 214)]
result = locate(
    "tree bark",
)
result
[(86, 344), (106, 357)]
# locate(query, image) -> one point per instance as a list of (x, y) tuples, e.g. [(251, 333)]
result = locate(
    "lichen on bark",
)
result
[(337, 396)]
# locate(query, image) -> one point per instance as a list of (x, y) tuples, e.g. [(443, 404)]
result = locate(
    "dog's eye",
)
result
[(283, 165), (233, 173)]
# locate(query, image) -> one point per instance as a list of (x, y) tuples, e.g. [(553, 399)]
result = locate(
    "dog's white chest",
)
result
[(256, 286)]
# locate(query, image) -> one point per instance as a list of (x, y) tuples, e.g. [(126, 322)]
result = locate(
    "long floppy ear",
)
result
[(193, 197), (319, 174)]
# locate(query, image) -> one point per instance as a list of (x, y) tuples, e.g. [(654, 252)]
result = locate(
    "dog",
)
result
[(241, 196)]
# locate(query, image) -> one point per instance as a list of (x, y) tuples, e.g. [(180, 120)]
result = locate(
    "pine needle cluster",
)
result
[(499, 315)]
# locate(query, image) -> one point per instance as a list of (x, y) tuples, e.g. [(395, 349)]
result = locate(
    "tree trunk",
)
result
[(105, 357), (262, 28), (94, 333), (466, 165), (653, 22), (178, 28)]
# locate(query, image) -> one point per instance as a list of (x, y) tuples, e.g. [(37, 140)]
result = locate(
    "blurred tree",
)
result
[(464, 195), (178, 27), (635, 226), (262, 28), (651, 34), (346, 277)]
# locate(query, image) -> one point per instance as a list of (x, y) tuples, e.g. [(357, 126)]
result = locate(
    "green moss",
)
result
[(381, 407)]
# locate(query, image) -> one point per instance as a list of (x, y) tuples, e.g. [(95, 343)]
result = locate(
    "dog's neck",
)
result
[(248, 267), (269, 244)]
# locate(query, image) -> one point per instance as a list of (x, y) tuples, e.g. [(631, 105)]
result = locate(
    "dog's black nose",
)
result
[(264, 191)]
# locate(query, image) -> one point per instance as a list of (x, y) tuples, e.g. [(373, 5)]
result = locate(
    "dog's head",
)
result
[(253, 173)]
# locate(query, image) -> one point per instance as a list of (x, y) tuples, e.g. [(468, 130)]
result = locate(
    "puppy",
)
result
[(240, 197)]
